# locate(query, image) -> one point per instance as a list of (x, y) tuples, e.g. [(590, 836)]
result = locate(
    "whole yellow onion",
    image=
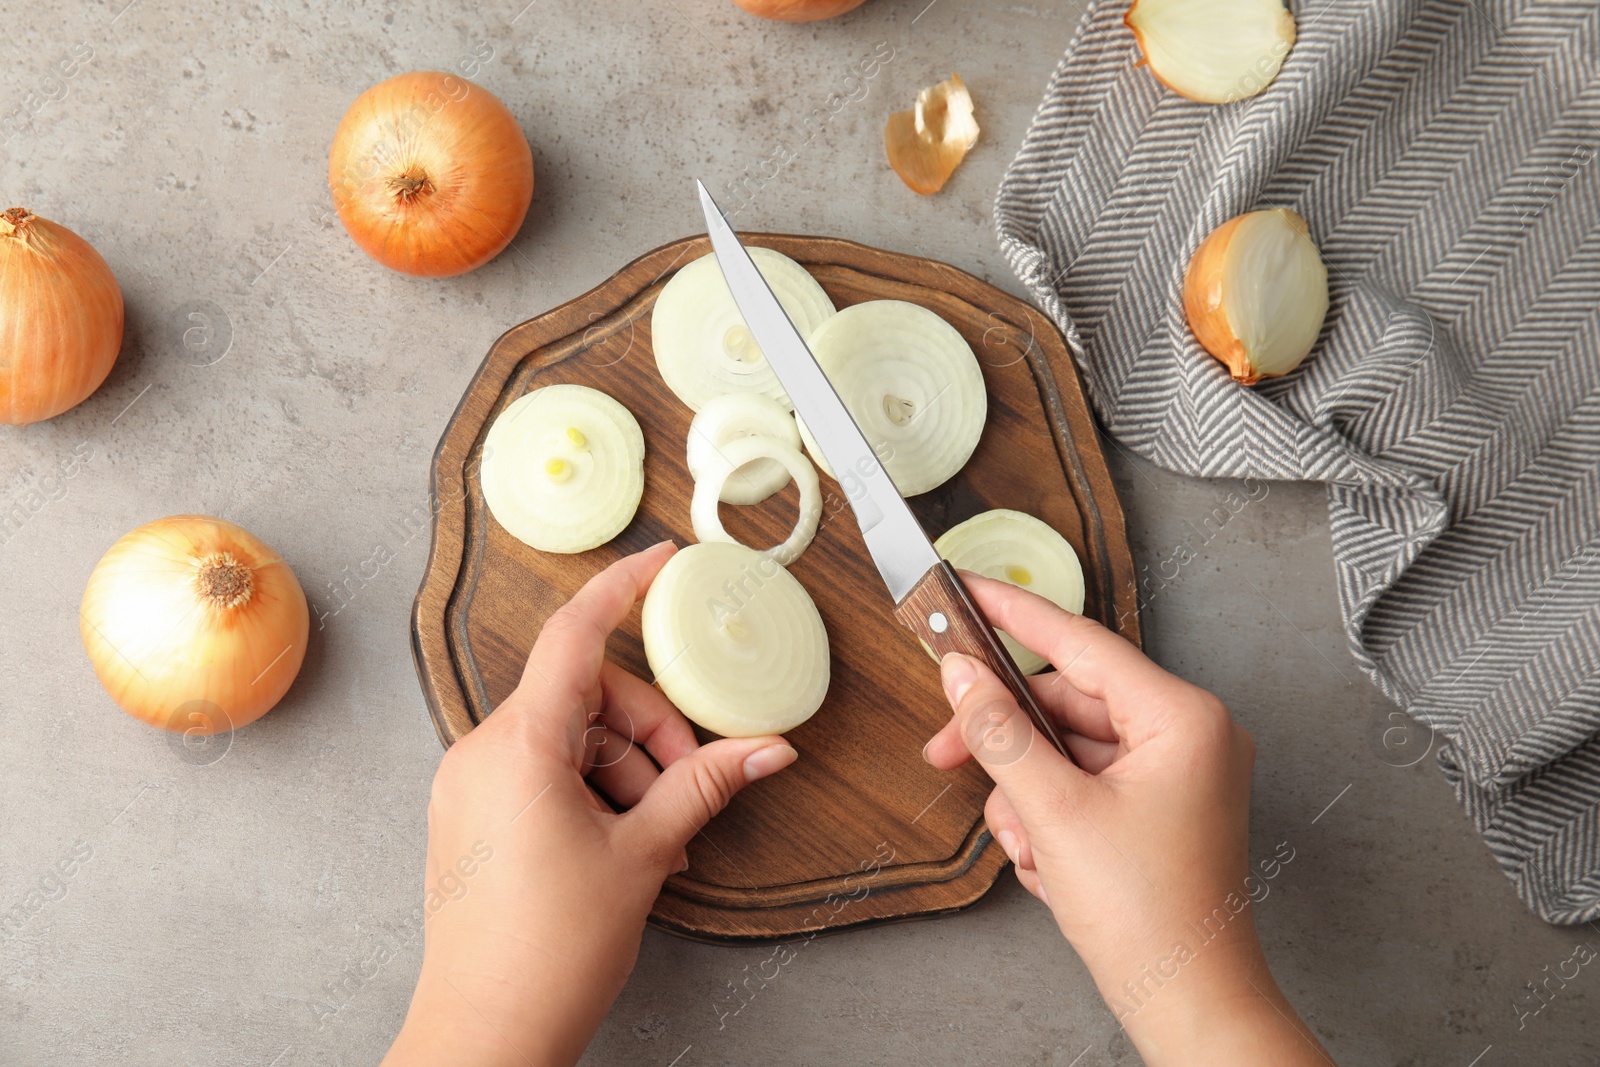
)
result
[(431, 174), (798, 10), (60, 318), (194, 624)]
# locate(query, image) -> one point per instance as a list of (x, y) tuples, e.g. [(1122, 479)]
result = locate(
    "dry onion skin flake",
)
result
[(1256, 293), (702, 346), (1213, 51), (1014, 547), (927, 143), (913, 385), (563, 468), (728, 418), (194, 625), (735, 641), (736, 455)]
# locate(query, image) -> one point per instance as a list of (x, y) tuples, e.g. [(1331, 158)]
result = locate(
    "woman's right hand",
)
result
[(1140, 849)]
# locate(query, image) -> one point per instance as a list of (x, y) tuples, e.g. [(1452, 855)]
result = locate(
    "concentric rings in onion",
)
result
[(563, 468), (735, 641), (1015, 547), (703, 347), (913, 385)]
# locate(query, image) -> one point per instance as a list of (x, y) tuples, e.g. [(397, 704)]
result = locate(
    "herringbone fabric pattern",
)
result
[(1443, 153)]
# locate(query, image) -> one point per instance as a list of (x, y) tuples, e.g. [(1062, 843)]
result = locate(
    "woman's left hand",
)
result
[(537, 890)]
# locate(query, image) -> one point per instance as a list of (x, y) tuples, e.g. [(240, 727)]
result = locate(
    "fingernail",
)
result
[(925, 758), (1008, 842), (658, 544), (769, 760), (958, 674), (1044, 898), (683, 864)]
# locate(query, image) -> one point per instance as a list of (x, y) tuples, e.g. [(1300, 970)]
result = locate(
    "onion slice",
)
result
[(735, 641), (913, 385), (1256, 293), (730, 458), (927, 143), (1015, 547), (563, 468), (729, 418), (1214, 51), (703, 347)]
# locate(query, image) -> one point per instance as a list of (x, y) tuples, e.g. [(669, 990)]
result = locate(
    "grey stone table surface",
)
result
[(255, 908)]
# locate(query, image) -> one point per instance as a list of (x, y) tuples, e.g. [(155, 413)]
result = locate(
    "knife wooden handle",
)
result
[(941, 611)]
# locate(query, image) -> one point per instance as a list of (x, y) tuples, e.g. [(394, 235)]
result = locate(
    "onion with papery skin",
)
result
[(913, 385), (798, 10), (736, 454), (927, 143), (1015, 547), (563, 468), (60, 318), (430, 174), (735, 641), (729, 418), (1214, 51), (194, 624), (1256, 293), (703, 347)]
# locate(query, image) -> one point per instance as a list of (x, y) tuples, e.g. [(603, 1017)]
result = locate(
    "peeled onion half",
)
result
[(563, 468), (735, 641), (703, 347), (1014, 547), (1256, 293), (913, 385), (1214, 51)]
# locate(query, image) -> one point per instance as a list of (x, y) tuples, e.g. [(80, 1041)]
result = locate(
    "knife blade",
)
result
[(930, 598)]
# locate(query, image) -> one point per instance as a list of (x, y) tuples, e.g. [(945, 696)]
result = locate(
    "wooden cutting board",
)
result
[(860, 829)]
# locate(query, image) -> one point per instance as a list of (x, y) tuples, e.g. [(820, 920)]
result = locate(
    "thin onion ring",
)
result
[(735, 454)]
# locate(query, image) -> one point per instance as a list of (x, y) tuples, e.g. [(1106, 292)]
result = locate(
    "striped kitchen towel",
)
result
[(1444, 154)]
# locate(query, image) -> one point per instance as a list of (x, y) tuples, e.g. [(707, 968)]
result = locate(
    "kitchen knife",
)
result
[(930, 599)]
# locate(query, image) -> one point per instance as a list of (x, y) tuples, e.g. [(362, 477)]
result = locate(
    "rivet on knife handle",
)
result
[(941, 611)]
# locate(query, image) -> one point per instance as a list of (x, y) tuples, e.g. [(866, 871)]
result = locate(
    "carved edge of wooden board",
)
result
[(830, 905), (969, 873)]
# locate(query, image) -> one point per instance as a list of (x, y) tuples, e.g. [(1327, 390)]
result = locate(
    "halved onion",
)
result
[(703, 347), (1256, 293), (1015, 547), (735, 455), (1214, 51), (927, 143), (913, 385), (735, 641), (563, 468), (731, 417)]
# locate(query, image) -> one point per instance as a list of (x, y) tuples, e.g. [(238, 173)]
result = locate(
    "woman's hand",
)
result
[(1140, 849), (536, 890)]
